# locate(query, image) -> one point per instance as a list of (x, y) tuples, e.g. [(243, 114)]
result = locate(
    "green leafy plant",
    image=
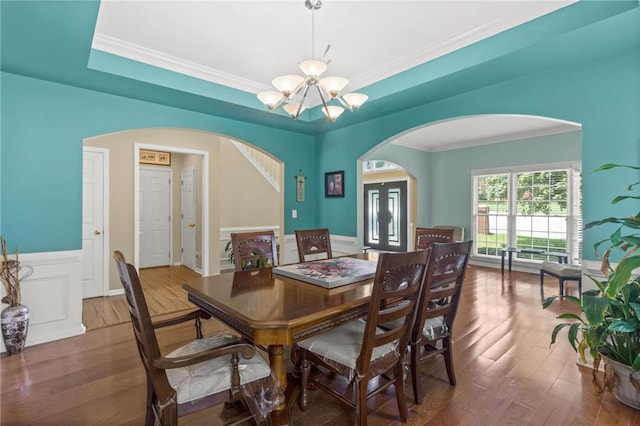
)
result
[(228, 248), (609, 320), (257, 263)]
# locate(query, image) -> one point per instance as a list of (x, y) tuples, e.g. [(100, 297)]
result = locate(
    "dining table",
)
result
[(274, 311)]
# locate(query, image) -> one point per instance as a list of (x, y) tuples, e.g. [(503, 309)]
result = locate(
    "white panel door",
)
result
[(93, 224), (155, 217), (189, 218)]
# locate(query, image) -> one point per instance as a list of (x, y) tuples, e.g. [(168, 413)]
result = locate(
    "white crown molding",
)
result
[(491, 140), (138, 53)]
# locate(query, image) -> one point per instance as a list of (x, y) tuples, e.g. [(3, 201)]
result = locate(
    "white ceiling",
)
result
[(245, 44)]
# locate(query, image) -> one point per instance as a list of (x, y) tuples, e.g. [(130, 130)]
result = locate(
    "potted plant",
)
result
[(608, 326), (260, 263), (14, 319)]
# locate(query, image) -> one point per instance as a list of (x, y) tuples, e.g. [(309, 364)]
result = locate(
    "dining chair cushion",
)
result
[(435, 328), (196, 381), (342, 344)]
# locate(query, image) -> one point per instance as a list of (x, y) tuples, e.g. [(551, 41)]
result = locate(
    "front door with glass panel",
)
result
[(385, 216)]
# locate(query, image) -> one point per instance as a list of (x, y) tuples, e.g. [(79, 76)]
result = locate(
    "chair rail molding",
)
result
[(53, 294)]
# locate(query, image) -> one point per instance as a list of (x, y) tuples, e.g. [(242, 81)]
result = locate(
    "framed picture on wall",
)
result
[(334, 184), (155, 157)]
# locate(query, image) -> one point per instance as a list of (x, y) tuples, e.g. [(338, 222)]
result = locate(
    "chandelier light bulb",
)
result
[(333, 85), (287, 84), (292, 109), (355, 100), (270, 98), (332, 112), (313, 68)]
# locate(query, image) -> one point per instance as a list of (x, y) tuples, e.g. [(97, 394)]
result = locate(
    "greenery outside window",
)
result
[(535, 209)]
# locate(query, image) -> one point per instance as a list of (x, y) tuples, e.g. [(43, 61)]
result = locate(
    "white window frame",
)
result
[(574, 221)]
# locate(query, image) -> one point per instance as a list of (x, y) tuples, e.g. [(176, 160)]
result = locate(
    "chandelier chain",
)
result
[(313, 34)]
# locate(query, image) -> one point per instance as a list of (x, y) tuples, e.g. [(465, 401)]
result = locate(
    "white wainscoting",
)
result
[(54, 296), (340, 246)]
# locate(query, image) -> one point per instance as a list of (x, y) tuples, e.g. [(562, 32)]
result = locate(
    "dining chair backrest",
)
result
[(397, 286), (143, 329), (443, 283), (313, 242), (458, 231), (431, 334), (253, 250), (427, 236)]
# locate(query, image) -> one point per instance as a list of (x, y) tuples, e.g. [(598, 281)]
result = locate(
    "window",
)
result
[(378, 166), (536, 209)]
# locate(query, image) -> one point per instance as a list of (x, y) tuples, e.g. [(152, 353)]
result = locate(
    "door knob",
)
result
[(97, 232), (191, 225)]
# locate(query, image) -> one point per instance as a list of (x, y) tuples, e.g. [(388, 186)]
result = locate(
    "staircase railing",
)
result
[(267, 166)]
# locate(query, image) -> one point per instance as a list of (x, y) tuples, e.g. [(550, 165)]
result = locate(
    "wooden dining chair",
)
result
[(359, 351), (200, 374), (427, 236), (252, 250), (437, 309), (458, 231), (313, 242)]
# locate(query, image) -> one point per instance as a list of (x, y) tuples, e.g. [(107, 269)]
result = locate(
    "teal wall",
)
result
[(43, 126), (603, 95)]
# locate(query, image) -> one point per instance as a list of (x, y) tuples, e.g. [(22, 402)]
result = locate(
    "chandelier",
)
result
[(329, 88)]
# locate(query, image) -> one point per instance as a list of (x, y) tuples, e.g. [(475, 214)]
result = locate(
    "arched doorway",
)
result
[(388, 206), (443, 155)]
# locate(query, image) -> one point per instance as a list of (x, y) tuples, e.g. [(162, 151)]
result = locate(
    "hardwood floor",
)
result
[(163, 292), (507, 374)]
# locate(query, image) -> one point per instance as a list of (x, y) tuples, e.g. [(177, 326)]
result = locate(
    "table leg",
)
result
[(510, 260), (502, 261), (276, 360)]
